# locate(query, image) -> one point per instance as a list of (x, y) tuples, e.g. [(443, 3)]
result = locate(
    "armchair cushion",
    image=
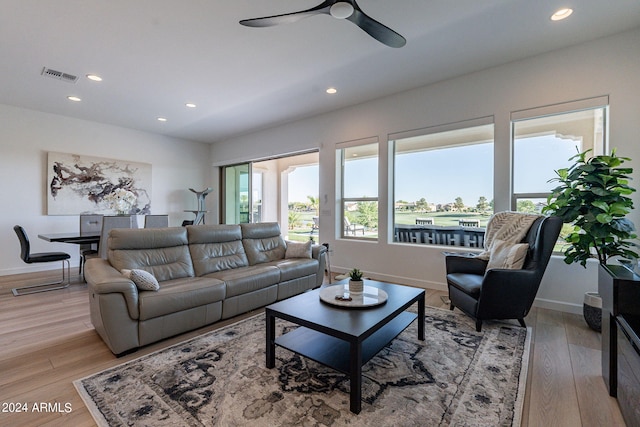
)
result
[(507, 255), (470, 284)]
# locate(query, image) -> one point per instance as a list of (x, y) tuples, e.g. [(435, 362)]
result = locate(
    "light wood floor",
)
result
[(47, 341)]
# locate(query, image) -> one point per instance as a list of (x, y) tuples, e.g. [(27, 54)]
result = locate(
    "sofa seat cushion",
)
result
[(295, 268), (470, 284), (247, 279), (180, 294)]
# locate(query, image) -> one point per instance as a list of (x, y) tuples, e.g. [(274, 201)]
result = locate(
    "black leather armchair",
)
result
[(502, 293)]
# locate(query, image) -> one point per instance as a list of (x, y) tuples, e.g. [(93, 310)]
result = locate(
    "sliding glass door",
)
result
[(264, 191), (242, 195), (236, 183)]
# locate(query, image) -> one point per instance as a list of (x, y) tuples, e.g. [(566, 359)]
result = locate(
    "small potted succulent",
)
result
[(356, 285)]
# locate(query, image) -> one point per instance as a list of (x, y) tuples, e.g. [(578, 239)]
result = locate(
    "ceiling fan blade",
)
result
[(288, 18), (375, 29)]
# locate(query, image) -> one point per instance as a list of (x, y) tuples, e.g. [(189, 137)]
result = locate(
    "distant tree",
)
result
[(314, 203), (294, 220), (459, 204), (482, 205), (422, 204), (297, 206), (368, 214), (244, 203), (526, 206)]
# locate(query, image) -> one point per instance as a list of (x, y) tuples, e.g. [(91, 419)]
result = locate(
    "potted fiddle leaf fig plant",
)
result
[(593, 196), (356, 285)]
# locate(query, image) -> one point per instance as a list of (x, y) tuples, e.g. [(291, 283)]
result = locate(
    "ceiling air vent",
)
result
[(59, 75)]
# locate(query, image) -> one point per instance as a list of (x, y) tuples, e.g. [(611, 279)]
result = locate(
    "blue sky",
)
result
[(442, 175), (303, 182)]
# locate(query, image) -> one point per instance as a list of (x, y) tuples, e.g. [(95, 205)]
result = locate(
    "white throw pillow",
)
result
[(507, 255), (298, 250), (144, 280)]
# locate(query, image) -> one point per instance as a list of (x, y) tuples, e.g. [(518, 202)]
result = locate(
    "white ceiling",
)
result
[(156, 55)]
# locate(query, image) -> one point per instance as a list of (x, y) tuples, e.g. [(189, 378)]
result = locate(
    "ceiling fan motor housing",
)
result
[(341, 10)]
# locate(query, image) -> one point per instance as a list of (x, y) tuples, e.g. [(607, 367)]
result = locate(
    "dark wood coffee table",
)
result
[(343, 338)]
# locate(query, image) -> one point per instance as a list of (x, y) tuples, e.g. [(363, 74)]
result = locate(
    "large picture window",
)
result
[(545, 139), (358, 186), (443, 183)]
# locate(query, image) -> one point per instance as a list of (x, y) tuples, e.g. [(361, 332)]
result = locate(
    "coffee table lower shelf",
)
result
[(335, 352)]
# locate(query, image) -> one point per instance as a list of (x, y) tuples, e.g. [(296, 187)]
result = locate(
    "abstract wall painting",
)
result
[(79, 184)]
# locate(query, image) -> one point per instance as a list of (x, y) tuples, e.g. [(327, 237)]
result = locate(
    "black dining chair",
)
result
[(89, 224), (29, 258)]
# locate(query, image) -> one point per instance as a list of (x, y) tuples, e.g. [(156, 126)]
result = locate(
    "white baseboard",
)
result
[(425, 284), (558, 306), (35, 268)]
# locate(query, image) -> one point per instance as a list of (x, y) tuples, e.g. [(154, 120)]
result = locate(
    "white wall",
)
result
[(608, 66), (25, 138), (270, 183)]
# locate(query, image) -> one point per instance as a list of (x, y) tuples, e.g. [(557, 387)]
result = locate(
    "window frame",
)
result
[(340, 188), (600, 102), (431, 130)]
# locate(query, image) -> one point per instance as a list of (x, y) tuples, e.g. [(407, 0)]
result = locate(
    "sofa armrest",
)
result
[(102, 278), (319, 252)]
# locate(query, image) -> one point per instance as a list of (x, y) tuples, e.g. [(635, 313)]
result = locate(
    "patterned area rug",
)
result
[(456, 377)]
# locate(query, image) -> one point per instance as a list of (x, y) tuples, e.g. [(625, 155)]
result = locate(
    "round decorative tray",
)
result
[(370, 297)]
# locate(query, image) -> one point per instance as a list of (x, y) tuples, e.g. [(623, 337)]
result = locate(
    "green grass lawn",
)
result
[(302, 232)]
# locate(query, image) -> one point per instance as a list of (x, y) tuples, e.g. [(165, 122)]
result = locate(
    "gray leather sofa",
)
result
[(206, 273)]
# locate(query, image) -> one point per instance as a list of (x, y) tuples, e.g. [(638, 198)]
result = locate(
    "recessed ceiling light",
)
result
[(332, 90), (561, 14), (94, 77), (162, 119), (190, 105), (74, 98)]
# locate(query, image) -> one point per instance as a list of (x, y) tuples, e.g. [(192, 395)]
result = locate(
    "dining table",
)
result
[(71, 237)]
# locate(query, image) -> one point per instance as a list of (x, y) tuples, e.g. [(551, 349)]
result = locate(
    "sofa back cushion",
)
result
[(163, 252), (215, 248), (262, 242)]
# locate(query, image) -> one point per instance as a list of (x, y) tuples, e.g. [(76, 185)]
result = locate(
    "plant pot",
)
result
[(356, 286), (592, 310)]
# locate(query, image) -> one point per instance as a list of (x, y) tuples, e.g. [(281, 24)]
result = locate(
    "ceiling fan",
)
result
[(348, 10)]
